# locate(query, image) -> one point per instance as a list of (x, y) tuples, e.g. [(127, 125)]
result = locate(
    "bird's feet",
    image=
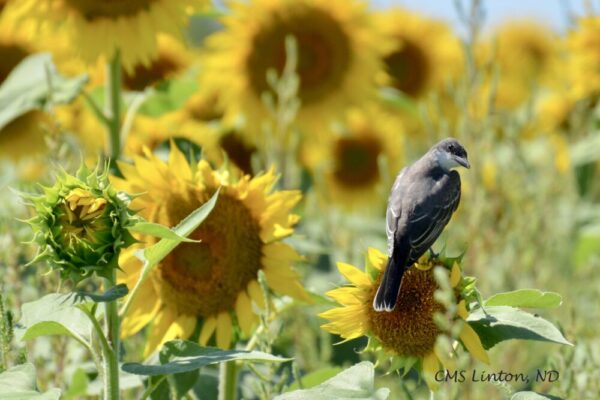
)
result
[(433, 255)]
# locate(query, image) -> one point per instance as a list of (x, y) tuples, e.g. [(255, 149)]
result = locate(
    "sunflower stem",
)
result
[(111, 358), (113, 107), (228, 381)]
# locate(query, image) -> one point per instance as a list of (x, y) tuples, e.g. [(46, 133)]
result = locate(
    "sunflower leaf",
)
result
[(357, 382), (501, 323), (179, 356), (114, 293), (35, 84), (526, 298), (160, 231), (533, 396), (19, 383)]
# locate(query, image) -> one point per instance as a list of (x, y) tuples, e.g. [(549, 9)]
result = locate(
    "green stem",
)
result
[(113, 107), (152, 387), (228, 381), (111, 359)]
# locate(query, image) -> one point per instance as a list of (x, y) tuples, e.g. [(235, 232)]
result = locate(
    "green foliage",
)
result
[(168, 97), (499, 323), (181, 356), (526, 298), (19, 383), (357, 382), (35, 84), (532, 396)]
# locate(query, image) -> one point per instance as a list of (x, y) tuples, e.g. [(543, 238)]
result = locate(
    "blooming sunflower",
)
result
[(98, 29), (215, 280), (354, 165), (409, 331), (337, 48), (583, 45), (424, 53)]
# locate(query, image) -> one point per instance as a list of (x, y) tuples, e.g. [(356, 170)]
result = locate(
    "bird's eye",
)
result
[(451, 148)]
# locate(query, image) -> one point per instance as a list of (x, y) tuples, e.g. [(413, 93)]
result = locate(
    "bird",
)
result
[(422, 200)]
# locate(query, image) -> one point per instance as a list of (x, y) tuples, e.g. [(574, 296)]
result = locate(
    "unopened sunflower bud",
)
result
[(81, 224)]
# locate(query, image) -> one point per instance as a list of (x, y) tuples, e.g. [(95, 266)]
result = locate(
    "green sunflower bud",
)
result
[(81, 224)]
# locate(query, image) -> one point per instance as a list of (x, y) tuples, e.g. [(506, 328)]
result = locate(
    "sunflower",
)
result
[(216, 280), (97, 29), (79, 120), (23, 137), (424, 55), (583, 45), (171, 60), (520, 56), (409, 332), (337, 49), (355, 165)]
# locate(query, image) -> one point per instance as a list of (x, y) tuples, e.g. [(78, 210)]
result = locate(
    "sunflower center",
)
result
[(144, 76), (113, 9), (409, 330), (11, 55), (409, 68), (205, 278), (237, 151), (356, 161), (323, 52)]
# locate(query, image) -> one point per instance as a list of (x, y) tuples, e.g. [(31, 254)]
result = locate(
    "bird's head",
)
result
[(449, 153)]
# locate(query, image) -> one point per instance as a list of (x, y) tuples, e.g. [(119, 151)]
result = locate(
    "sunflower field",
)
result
[(193, 200)]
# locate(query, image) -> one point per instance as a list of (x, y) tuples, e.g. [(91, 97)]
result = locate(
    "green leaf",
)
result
[(315, 378), (170, 96), (180, 356), (396, 98), (357, 382), (158, 230), (35, 84), (114, 293), (587, 245), (587, 150), (19, 383), (505, 323), (527, 298), (533, 396), (55, 314), (78, 386)]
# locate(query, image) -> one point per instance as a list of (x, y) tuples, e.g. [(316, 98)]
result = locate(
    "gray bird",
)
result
[(422, 200)]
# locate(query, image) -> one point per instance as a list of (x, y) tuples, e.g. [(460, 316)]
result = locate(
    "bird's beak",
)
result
[(464, 162)]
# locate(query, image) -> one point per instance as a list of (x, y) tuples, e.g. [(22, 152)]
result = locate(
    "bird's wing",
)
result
[(394, 209), (428, 221)]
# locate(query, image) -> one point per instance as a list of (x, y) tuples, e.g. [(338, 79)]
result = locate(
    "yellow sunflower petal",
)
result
[(164, 319), (245, 315), (377, 258), (347, 295), (431, 366), (256, 294), (178, 163), (471, 341), (353, 274), (455, 275), (282, 281), (208, 328), (224, 330), (142, 310), (349, 322), (461, 310)]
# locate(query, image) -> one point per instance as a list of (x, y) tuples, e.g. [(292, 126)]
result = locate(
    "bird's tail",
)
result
[(387, 294)]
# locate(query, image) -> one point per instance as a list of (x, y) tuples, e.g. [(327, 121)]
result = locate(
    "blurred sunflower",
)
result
[(215, 280), (97, 29), (520, 56), (337, 49), (23, 137), (583, 46), (171, 60), (408, 333), (424, 53), (354, 165), (79, 120)]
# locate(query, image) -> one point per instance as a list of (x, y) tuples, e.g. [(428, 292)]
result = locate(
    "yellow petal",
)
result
[(471, 341), (256, 294), (224, 330), (162, 322), (245, 316), (377, 258), (455, 275), (431, 366), (283, 282), (142, 310), (208, 328), (353, 274), (461, 310), (178, 163)]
